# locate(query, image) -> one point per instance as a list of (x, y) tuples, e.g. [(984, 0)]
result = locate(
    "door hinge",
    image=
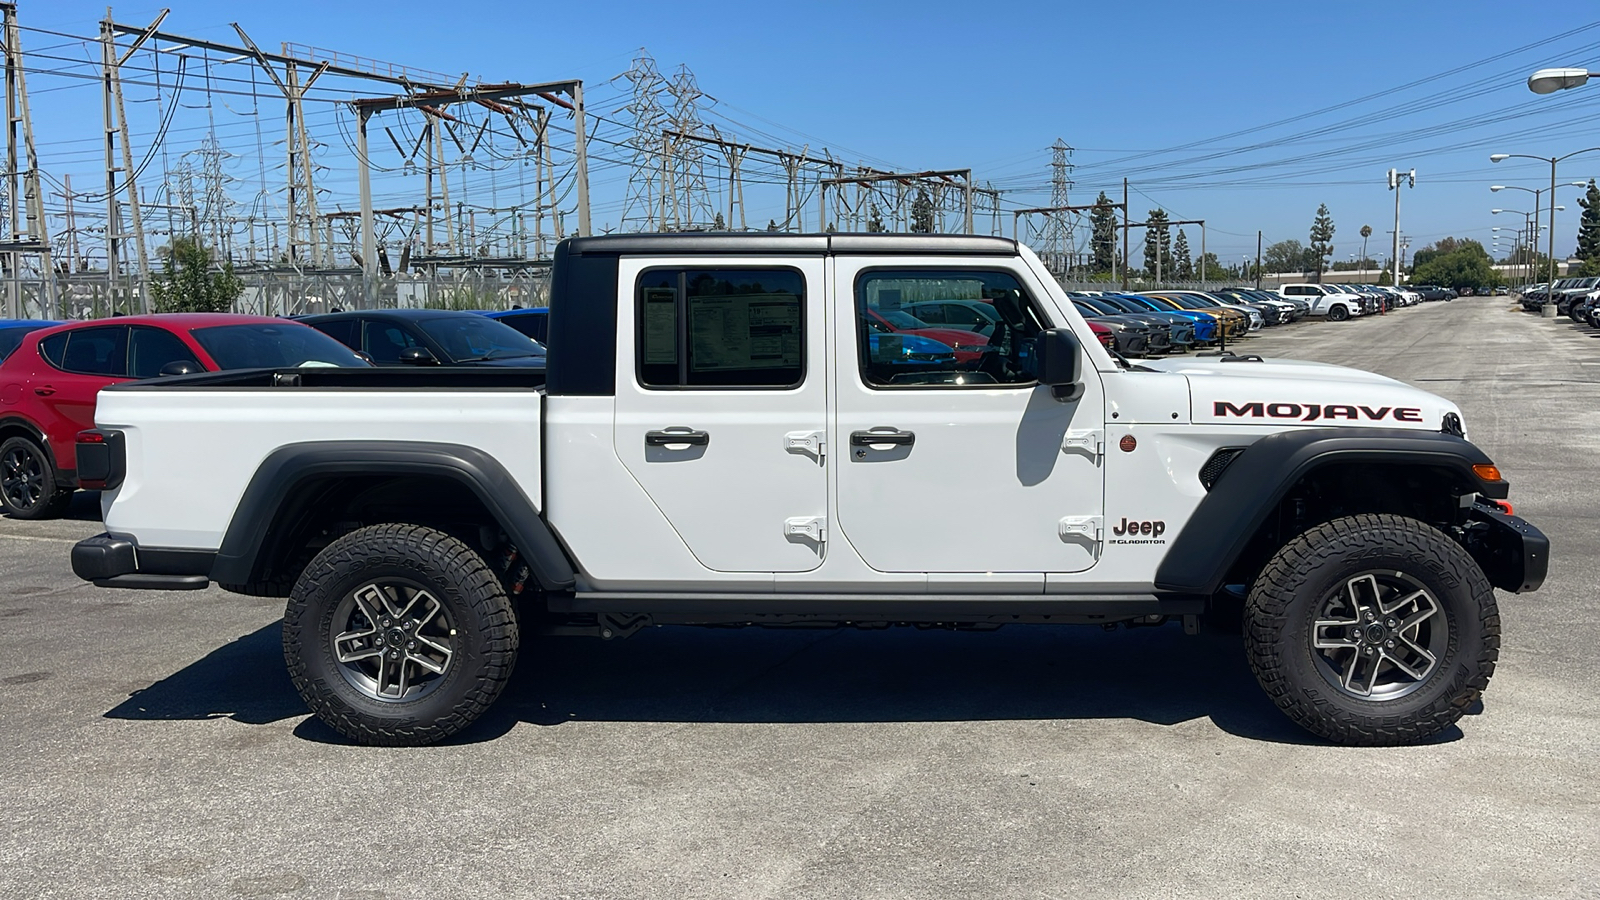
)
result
[(1091, 442), (1087, 527), (812, 528), (811, 442)]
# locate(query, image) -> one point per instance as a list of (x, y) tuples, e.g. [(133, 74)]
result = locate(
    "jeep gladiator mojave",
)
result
[(720, 439)]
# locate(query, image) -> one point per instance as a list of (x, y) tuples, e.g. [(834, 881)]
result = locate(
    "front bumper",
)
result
[(1514, 555), (111, 561)]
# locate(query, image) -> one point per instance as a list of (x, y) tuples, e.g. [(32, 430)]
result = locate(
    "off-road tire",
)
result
[(484, 640), (53, 497), (1291, 590), (1338, 313)]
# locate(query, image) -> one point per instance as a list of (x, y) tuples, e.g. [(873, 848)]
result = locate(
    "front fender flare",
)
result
[(1257, 481)]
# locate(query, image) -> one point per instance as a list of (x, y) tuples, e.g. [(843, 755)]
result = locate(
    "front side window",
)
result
[(898, 349), (150, 349), (468, 337), (707, 328), (385, 341)]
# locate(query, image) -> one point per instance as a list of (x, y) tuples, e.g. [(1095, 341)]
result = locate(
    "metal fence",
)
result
[(93, 295)]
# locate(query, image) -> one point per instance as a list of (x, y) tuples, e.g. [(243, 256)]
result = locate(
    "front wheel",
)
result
[(1338, 314), (399, 635), (1373, 630)]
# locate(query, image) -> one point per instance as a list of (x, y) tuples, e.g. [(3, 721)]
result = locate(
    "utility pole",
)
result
[(1258, 259), (35, 237), (1125, 234), (1395, 181)]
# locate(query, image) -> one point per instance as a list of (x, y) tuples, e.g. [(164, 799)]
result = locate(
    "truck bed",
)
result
[(194, 442)]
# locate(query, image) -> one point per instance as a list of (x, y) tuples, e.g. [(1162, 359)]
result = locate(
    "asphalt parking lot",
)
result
[(152, 746)]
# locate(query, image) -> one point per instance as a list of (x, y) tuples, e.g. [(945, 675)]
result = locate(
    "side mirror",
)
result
[(418, 356), (1057, 360), (181, 367)]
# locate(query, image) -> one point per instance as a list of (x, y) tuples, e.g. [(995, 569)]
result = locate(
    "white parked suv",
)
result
[(1326, 300), (733, 430)]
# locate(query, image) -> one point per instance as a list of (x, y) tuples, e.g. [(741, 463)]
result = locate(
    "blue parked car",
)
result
[(534, 323), (12, 330)]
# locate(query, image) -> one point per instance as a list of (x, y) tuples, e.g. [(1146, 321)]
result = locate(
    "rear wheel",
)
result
[(399, 635), (29, 488), (1373, 630)]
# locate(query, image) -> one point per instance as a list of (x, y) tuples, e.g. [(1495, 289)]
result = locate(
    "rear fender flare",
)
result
[(290, 467)]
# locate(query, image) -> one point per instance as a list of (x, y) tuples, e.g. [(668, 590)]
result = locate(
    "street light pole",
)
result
[(1543, 82)]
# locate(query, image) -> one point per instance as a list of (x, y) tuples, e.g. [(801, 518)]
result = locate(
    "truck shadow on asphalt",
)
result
[(1154, 675)]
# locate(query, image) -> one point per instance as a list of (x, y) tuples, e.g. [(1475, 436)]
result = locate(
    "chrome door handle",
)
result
[(663, 438), (895, 436)]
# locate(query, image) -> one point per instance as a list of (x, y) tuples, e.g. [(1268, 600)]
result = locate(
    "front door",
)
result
[(721, 410), (960, 465)]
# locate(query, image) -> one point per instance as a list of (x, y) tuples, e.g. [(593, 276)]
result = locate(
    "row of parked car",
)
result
[(1573, 297), (1176, 321)]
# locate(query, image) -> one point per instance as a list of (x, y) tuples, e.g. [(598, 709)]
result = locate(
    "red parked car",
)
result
[(49, 382)]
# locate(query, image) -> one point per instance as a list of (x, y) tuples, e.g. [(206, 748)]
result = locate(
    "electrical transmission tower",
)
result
[(1058, 227), (689, 199), (645, 204), (26, 232)]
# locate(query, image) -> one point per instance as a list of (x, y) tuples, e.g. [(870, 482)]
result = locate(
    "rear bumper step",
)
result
[(111, 561)]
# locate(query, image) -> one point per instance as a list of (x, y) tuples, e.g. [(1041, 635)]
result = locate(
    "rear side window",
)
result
[(721, 328), (534, 324), (149, 349), (89, 351), (343, 331)]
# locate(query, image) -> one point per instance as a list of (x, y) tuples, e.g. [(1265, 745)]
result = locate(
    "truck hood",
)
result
[(1290, 392)]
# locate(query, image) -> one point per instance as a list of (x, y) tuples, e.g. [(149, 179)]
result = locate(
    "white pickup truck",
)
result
[(740, 430), (1326, 300)]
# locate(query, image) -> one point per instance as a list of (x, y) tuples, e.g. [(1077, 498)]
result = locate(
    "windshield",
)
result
[(273, 345), (473, 338)]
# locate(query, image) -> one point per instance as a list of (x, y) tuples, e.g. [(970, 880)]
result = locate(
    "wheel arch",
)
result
[(302, 492), (1242, 519)]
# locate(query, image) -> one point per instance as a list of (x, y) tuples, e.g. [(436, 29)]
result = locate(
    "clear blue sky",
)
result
[(987, 86)]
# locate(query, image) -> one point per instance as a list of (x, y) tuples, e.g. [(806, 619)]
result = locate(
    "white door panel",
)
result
[(744, 489), (966, 479)]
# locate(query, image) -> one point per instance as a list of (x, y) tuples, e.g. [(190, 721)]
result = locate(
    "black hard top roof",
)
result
[(709, 243)]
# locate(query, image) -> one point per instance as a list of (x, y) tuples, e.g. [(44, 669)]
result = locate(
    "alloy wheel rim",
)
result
[(22, 478), (396, 640), (1379, 636)]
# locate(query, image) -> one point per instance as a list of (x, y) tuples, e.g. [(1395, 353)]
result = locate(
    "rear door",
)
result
[(721, 405), (961, 469)]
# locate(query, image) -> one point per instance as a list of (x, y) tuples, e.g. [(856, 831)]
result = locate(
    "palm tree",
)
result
[(1366, 232)]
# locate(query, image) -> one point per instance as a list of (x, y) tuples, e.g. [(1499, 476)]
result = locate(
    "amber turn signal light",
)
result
[(1487, 472)]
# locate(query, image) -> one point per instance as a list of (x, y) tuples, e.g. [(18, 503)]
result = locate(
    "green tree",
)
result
[(1366, 232), (718, 224), (1284, 256), (921, 213), (1158, 244), (190, 282), (874, 220), (1103, 219), (1322, 237), (1182, 262), (1589, 225), (1464, 265)]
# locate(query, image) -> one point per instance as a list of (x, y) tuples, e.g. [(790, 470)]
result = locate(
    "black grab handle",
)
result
[(663, 438), (868, 438)]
